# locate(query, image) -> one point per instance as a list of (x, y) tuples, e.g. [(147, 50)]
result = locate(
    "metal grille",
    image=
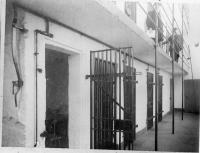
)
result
[(112, 91)]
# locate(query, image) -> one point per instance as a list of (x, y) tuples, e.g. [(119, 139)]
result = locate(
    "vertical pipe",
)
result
[(120, 96), (96, 98), (100, 98), (182, 66), (173, 69), (95, 119), (156, 83), (36, 86)]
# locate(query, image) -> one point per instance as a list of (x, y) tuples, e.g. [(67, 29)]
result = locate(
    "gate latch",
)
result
[(17, 84)]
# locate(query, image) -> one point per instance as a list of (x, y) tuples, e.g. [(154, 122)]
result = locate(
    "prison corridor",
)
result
[(185, 138)]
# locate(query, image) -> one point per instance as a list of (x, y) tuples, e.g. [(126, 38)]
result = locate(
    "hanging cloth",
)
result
[(151, 23)]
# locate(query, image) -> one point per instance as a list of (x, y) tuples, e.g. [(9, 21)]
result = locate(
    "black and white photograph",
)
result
[(99, 76)]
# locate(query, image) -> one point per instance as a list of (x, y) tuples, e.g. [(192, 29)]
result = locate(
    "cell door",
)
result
[(129, 106), (104, 89), (112, 99), (149, 100), (57, 74), (160, 84)]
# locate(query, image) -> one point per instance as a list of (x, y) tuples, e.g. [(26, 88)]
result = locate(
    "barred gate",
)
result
[(112, 98)]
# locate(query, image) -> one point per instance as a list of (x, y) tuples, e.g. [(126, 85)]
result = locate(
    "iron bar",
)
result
[(173, 70), (115, 97), (113, 75), (124, 71), (156, 85), (110, 49), (133, 94), (98, 100), (182, 66), (131, 89), (111, 93), (91, 104), (115, 130), (101, 96), (95, 101), (120, 96)]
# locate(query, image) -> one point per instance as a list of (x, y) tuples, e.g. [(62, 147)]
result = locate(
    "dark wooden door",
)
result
[(57, 70), (104, 91), (170, 94), (149, 100), (129, 106), (160, 84), (192, 95)]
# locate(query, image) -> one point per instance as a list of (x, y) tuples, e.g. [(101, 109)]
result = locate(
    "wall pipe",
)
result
[(19, 83), (37, 69)]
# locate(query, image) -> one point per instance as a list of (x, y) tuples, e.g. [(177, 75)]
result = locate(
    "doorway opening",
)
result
[(57, 80)]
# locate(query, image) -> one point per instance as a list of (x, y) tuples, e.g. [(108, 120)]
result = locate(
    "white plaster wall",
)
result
[(178, 92), (141, 94), (166, 91), (9, 70), (74, 100)]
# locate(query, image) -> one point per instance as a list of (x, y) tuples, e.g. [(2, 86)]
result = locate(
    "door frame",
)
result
[(43, 44)]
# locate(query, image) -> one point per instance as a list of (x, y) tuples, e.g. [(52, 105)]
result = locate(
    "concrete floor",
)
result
[(185, 139)]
